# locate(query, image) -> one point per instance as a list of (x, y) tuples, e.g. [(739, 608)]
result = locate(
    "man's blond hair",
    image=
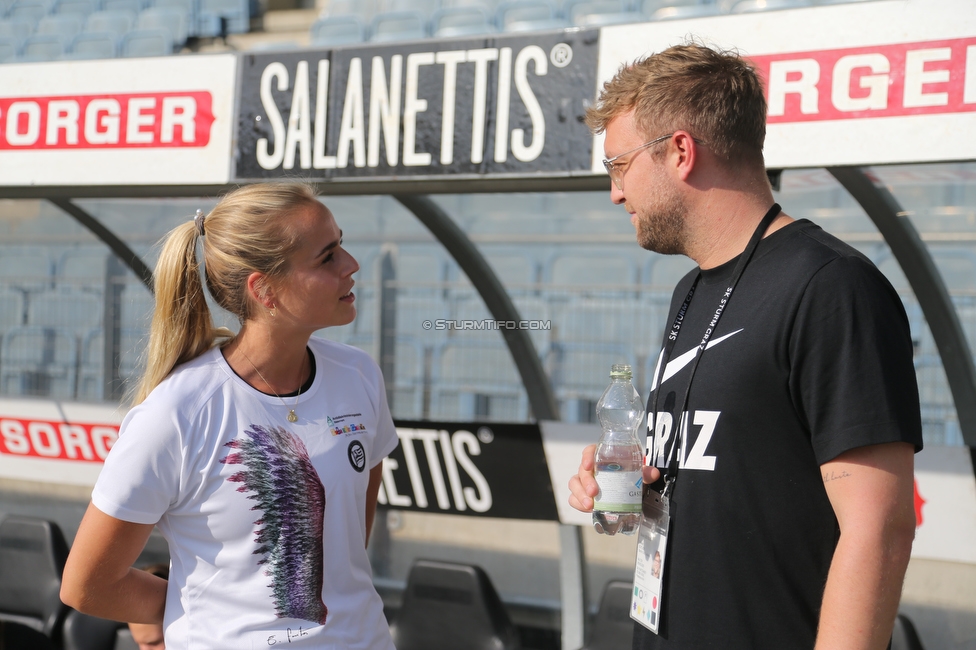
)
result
[(715, 95)]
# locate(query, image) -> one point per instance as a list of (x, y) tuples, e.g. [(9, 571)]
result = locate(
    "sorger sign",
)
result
[(56, 440), (172, 119), (883, 81), (117, 122)]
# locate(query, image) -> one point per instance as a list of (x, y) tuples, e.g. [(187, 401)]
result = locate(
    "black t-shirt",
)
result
[(812, 357)]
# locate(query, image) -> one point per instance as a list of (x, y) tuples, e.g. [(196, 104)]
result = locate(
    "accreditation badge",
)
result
[(652, 544)]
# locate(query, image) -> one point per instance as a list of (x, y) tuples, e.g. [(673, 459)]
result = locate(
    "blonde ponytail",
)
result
[(182, 327), (247, 231)]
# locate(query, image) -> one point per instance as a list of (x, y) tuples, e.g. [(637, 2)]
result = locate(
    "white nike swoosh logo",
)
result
[(678, 363)]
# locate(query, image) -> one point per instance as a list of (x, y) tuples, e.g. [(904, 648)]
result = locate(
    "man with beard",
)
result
[(783, 415)]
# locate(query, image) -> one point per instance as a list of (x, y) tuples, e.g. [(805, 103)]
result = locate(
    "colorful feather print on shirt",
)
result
[(280, 477)]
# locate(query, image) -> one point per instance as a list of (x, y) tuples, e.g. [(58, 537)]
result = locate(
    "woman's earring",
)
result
[(273, 312)]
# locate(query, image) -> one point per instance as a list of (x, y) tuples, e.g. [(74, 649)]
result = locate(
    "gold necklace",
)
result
[(292, 416)]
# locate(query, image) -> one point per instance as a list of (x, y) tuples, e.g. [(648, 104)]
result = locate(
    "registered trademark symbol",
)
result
[(485, 435), (560, 55)]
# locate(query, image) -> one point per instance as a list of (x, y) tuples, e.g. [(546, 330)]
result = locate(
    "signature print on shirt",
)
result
[(290, 498)]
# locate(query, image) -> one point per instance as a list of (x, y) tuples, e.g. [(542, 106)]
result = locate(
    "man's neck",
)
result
[(723, 225)]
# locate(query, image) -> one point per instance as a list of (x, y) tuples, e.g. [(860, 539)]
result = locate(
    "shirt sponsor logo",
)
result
[(660, 428), (357, 455), (337, 427)]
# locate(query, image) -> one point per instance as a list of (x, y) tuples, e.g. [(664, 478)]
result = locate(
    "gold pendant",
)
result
[(291, 416)]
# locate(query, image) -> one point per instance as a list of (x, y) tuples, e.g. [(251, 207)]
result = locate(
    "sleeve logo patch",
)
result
[(357, 456)]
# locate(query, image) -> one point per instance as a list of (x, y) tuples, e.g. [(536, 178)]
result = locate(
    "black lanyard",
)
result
[(672, 338)]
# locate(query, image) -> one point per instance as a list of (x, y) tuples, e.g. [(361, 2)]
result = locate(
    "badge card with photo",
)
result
[(652, 543)]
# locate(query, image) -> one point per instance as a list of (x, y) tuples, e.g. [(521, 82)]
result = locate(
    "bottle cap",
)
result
[(621, 371)]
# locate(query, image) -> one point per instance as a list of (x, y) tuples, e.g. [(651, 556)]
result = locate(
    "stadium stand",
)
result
[(460, 21), (32, 557), (29, 10), (94, 45), (448, 606), (108, 21), (594, 13), (82, 8), (221, 17), (612, 626), (338, 30), (146, 42), (169, 18), (42, 47), (16, 30), (83, 632), (398, 26), (528, 15), (749, 6), (8, 49)]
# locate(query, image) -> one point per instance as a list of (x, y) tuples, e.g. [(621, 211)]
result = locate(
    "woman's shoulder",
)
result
[(340, 352), (190, 384)]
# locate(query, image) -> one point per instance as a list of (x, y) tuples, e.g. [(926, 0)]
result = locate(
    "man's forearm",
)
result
[(863, 589)]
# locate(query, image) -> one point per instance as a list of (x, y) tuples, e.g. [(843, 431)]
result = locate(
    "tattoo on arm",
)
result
[(833, 476)]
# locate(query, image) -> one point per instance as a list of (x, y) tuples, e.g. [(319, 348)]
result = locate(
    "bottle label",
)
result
[(619, 491)]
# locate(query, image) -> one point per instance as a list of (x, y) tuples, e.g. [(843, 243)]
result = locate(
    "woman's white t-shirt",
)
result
[(265, 519)]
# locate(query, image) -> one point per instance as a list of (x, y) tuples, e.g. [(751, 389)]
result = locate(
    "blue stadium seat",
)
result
[(593, 13), (398, 26), (29, 10), (16, 30), (95, 45), (650, 7), (64, 26), (364, 10), (40, 362), (114, 22), (528, 15), (461, 21), (9, 49), (82, 8), (487, 5), (187, 7), (683, 12), (91, 366), (213, 14), (337, 30), (12, 310), (131, 6), (42, 47), (67, 308), (146, 42), (575, 368), (750, 6), (26, 268), (476, 379), (426, 7), (169, 18)]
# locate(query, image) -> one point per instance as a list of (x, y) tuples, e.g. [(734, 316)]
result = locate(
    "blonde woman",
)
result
[(258, 456)]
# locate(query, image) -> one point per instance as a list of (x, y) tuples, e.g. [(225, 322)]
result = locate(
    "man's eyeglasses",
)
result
[(616, 170)]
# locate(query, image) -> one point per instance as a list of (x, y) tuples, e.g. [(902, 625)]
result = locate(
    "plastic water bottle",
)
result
[(619, 456)]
